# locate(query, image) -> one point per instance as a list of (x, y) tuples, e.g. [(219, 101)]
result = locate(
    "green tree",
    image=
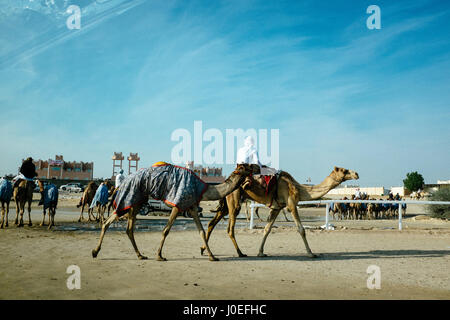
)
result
[(414, 181)]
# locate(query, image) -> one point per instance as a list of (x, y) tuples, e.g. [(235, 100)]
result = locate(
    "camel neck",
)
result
[(319, 190), (216, 192)]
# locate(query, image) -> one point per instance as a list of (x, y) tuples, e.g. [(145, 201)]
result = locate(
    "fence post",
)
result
[(400, 216), (252, 210), (327, 216)]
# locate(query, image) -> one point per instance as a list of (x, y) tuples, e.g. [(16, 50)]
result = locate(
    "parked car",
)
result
[(71, 187), (153, 205)]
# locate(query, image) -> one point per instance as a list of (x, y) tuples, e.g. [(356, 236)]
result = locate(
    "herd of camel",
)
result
[(239, 187), (361, 211)]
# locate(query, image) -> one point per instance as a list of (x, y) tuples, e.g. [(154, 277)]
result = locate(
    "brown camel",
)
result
[(23, 193), (86, 199), (287, 193), (213, 192)]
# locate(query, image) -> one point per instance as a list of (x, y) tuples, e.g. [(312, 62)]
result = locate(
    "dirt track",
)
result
[(414, 265)]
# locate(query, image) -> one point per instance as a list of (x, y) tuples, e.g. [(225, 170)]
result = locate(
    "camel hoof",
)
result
[(159, 258), (94, 253), (202, 250), (241, 255), (312, 255), (262, 255), (141, 257), (213, 259)]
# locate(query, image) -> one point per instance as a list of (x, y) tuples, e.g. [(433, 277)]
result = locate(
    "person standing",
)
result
[(119, 178)]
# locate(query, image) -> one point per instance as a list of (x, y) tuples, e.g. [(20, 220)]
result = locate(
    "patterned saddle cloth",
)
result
[(176, 186)]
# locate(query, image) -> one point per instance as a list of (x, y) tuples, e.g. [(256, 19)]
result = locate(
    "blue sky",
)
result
[(375, 101)]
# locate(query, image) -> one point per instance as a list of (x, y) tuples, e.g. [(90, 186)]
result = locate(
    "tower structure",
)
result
[(117, 157), (133, 157)]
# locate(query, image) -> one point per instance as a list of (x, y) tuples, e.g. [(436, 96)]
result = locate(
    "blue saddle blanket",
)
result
[(101, 196), (50, 196), (6, 190), (176, 186)]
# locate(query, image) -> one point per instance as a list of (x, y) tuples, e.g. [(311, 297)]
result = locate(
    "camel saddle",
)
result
[(269, 182)]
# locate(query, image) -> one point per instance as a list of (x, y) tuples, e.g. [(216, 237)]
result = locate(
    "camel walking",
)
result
[(101, 200), (179, 187), (50, 202), (86, 199), (23, 194), (6, 191), (286, 193)]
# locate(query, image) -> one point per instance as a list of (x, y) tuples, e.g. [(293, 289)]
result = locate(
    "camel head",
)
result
[(341, 174), (245, 169)]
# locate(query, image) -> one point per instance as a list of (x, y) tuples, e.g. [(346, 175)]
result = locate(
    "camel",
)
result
[(340, 210), (86, 199), (101, 207), (212, 193), (50, 202), (286, 193), (23, 193), (5, 198)]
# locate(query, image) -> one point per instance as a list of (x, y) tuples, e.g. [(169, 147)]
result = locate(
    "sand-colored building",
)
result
[(210, 175), (67, 170)]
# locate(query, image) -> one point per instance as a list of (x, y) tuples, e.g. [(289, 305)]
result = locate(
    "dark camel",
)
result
[(213, 192)]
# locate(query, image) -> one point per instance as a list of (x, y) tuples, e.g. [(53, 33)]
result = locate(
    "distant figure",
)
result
[(391, 196), (27, 172), (119, 178), (357, 194), (397, 197)]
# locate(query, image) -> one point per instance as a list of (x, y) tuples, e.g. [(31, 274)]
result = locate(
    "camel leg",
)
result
[(91, 213), (29, 213), (16, 222), (130, 232), (302, 232), (166, 230), (285, 216), (43, 218), (80, 219), (7, 212), (22, 211), (231, 223), (53, 218), (219, 215), (3, 215), (105, 227), (272, 217), (194, 215)]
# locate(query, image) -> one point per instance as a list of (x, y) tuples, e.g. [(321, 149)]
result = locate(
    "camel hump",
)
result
[(160, 164)]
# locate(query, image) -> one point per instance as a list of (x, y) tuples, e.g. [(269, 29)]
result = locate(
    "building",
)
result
[(211, 175), (64, 170), (350, 190), (441, 184)]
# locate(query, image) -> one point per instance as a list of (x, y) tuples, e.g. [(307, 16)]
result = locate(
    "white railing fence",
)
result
[(254, 205)]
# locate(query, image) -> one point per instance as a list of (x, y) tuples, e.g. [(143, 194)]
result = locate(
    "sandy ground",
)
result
[(414, 263)]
